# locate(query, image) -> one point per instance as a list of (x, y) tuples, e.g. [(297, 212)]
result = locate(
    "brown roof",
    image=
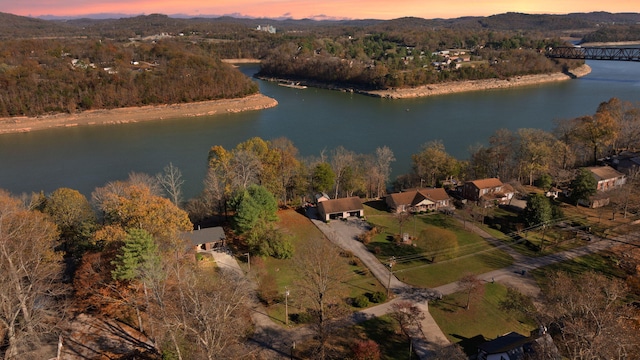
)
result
[(340, 205), (435, 194), (604, 172), (402, 198), (487, 183), (414, 196)]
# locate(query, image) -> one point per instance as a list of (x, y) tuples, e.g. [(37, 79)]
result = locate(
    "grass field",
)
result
[(484, 320), (418, 266)]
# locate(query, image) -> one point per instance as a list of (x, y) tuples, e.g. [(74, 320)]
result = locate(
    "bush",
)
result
[(379, 297), (366, 350), (346, 254), (302, 318), (377, 250), (199, 257), (361, 301)]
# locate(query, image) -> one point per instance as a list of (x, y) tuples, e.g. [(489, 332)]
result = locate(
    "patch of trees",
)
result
[(613, 33), (276, 166), (527, 154), (39, 77)]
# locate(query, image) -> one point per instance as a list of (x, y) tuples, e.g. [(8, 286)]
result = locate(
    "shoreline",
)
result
[(23, 124), (477, 85)]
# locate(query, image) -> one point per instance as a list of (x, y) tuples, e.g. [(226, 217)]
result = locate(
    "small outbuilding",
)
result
[(340, 208), (205, 239)]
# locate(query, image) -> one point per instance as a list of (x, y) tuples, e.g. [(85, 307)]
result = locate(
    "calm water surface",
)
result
[(84, 158)]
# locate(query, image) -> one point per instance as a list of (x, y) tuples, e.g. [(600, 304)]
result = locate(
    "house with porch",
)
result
[(488, 192), (205, 239), (340, 208), (417, 200)]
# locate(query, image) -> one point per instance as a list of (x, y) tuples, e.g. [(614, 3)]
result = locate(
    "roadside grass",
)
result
[(603, 263), (485, 320), (553, 239), (302, 230), (418, 267)]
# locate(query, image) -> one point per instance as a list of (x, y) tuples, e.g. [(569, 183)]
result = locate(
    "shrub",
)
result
[(199, 257), (379, 297), (346, 254), (361, 301), (366, 350), (302, 318), (355, 261), (377, 250)]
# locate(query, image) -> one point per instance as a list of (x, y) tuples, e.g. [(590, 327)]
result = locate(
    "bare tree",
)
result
[(245, 167), (341, 160), (409, 317), (171, 181), (384, 158), (209, 312), (30, 280), (321, 273), (590, 318), (471, 285)]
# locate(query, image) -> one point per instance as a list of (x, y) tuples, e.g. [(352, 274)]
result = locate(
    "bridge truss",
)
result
[(595, 53)]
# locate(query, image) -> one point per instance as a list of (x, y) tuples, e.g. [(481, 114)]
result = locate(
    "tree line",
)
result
[(404, 59)]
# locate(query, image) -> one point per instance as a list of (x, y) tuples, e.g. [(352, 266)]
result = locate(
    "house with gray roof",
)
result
[(205, 239)]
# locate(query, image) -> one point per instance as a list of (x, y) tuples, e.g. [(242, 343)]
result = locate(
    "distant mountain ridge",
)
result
[(22, 26)]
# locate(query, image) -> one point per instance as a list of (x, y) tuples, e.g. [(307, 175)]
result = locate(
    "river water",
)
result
[(84, 158)]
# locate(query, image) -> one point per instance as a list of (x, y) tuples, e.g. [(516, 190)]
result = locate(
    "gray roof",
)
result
[(203, 236)]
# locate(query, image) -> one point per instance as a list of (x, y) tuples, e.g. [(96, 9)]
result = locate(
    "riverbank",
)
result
[(136, 114), (477, 85)]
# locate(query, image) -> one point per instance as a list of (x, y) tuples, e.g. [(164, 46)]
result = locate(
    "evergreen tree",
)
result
[(139, 253), (254, 204), (538, 210), (583, 186)]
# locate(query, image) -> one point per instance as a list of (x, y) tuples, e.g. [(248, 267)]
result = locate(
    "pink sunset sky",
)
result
[(298, 9)]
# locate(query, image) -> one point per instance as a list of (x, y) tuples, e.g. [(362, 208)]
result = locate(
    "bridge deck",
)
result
[(595, 53)]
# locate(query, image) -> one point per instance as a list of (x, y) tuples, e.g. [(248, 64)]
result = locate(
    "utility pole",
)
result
[(286, 306), (392, 261)]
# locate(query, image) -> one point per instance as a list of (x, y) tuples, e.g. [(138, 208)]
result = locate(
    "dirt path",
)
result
[(136, 114)]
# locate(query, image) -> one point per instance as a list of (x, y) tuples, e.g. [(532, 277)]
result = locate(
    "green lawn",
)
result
[(414, 264), (385, 331), (484, 320), (302, 230)]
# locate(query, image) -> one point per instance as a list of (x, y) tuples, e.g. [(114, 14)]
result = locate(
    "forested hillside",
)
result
[(69, 75)]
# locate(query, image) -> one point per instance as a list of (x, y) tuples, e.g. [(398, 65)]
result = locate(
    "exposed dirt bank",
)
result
[(476, 85), (136, 114), (606, 44)]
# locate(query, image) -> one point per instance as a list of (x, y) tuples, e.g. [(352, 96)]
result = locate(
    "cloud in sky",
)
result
[(355, 9)]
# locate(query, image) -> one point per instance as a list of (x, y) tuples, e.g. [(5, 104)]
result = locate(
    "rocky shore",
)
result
[(476, 85), (136, 114)]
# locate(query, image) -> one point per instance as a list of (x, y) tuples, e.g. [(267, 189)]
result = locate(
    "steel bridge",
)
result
[(594, 53)]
